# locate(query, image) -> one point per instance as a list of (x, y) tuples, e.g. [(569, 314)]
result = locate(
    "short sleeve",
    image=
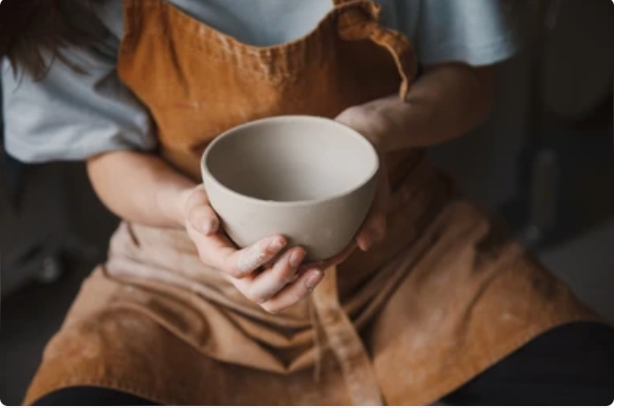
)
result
[(71, 115), (477, 32)]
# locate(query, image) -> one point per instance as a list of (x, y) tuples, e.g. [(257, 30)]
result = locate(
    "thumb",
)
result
[(199, 213)]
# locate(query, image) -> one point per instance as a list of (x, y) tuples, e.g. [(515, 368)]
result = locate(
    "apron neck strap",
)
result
[(361, 22)]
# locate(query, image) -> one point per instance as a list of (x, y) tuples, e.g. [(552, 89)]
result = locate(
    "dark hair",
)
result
[(34, 32)]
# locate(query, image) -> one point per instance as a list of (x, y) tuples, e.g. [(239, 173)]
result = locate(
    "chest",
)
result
[(199, 81), (271, 22)]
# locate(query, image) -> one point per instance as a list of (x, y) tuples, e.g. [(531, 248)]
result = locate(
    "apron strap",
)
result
[(345, 343), (359, 20)]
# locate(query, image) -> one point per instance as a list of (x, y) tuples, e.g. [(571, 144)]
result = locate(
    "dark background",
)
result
[(544, 161)]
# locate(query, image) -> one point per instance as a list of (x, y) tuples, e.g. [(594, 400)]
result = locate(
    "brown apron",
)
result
[(443, 298)]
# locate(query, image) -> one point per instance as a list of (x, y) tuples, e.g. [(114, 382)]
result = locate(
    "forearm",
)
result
[(444, 103), (140, 187)]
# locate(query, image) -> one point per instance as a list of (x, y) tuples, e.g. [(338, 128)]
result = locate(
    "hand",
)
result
[(374, 229), (372, 232), (260, 272)]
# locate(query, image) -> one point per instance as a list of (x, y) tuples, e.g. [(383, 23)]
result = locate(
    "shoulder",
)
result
[(478, 32)]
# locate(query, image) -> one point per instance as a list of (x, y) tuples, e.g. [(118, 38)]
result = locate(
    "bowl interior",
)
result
[(291, 159)]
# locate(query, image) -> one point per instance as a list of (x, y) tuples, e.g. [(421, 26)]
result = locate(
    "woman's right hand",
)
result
[(273, 281)]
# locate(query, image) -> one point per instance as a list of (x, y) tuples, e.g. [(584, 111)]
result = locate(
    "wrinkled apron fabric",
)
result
[(444, 297)]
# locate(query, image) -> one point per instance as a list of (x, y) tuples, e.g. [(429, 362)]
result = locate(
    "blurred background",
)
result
[(544, 161)]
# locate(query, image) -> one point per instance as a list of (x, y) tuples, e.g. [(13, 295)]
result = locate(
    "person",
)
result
[(432, 302)]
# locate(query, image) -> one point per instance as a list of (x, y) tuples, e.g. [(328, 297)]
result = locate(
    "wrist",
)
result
[(172, 204), (371, 121)]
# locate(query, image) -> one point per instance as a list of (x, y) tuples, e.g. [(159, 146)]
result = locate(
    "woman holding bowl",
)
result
[(431, 302)]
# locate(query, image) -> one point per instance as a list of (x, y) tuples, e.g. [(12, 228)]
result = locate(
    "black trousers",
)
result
[(569, 365)]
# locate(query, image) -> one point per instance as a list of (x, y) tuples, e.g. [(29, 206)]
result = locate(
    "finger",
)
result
[(295, 292), (241, 263), (373, 232), (199, 213), (378, 228), (197, 196), (212, 248), (219, 252), (203, 219), (269, 282)]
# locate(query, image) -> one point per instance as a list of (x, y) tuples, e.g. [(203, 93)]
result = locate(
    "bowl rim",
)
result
[(348, 130)]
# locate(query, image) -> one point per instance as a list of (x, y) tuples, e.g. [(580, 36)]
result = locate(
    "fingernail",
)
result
[(296, 258), (364, 244), (210, 226), (203, 225), (277, 244), (313, 280)]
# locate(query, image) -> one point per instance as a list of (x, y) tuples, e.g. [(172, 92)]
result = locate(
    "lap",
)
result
[(569, 365)]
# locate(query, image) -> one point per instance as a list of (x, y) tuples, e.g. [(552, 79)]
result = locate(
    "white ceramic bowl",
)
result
[(308, 178)]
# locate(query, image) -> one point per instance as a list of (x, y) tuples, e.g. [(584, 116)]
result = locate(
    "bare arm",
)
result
[(444, 103), (140, 187)]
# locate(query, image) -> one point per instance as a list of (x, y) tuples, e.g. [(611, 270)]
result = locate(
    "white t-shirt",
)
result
[(70, 116)]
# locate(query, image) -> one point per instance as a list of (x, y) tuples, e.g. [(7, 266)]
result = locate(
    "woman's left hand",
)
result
[(364, 120), (374, 228)]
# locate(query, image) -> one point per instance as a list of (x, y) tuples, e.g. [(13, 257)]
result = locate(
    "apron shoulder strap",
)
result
[(361, 22)]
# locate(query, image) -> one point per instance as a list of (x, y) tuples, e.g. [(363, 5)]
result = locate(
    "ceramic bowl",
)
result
[(309, 178)]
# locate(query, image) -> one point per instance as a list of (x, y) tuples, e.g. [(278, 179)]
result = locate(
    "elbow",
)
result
[(104, 179), (93, 165)]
